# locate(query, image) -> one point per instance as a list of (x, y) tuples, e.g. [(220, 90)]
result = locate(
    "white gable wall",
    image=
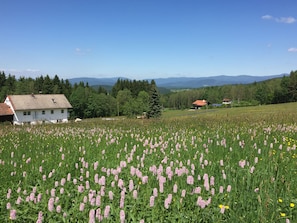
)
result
[(31, 116)]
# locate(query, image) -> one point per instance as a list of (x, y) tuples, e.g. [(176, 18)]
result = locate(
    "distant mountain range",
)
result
[(182, 82)]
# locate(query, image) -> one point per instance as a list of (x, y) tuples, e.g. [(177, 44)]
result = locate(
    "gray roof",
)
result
[(39, 101)]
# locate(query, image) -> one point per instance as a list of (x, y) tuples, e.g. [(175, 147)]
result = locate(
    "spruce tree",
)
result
[(154, 103)]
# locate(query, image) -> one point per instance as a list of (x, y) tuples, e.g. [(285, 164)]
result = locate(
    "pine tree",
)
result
[(154, 103)]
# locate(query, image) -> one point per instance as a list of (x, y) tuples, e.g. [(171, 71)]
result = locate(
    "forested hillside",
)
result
[(274, 91), (131, 98)]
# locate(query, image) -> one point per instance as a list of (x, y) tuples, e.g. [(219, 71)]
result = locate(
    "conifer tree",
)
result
[(154, 103)]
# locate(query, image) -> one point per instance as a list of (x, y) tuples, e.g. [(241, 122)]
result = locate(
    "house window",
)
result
[(29, 113), (24, 113), (43, 112), (52, 111), (62, 111)]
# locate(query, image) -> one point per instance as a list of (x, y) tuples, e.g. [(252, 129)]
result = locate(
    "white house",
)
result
[(38, 108)]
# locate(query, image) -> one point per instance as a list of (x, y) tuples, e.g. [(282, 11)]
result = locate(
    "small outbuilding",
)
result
[(6, 114), (199, 103), (227, 101)]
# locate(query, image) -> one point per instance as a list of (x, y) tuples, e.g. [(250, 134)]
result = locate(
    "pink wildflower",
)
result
[(256, 160), (122, 216), (183, 193), (197, 190), (40, 217), (98, 200), (92, 216), (175, 188), (166, 203), (81, 206), (51, 204), (152, 201), (39, 196), (102, 191), (102, 180), (200, 202), (212, 191), (242, 163), (122, 202), (53, 192), (190, 180), (110, 195), (80, 188), (87, 185), (212, 179), (12, 214), (144, 179), (58, 209), (135, 194), (131, 185), (19, 200), (106, 211), (68, 177), (63, 181), (221, 190), (121, 183), (155, 192)]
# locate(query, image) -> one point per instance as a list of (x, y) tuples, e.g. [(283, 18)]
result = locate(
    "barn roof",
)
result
[(39, 101), (200, 103), (5, 110)]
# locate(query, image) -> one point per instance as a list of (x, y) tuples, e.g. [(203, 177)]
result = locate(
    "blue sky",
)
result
[(147, 38)]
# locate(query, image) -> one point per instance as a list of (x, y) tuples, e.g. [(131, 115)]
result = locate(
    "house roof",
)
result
[(39, 101), (200, 103), (5, 110)]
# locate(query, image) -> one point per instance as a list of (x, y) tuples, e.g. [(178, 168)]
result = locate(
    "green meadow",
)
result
[(208, 165)]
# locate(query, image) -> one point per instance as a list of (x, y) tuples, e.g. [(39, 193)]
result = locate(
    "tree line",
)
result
[(273, 91), (134, 98), (128, 98)]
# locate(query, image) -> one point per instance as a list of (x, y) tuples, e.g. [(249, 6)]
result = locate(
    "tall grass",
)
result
[(230, 165)]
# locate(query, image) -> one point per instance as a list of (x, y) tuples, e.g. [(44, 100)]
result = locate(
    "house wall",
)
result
[(52, 115)]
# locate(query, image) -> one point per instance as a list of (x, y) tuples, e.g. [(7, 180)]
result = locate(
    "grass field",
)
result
[(215, 165)]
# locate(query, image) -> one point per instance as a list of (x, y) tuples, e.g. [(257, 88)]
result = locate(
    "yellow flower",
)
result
[(223, 206), (280, 200), (282, 214), (292, 205)]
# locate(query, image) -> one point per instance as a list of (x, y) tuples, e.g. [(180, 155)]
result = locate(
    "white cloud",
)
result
[(80, 51), (267, 17), (292, 49), (288, 20), (32, 70)]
